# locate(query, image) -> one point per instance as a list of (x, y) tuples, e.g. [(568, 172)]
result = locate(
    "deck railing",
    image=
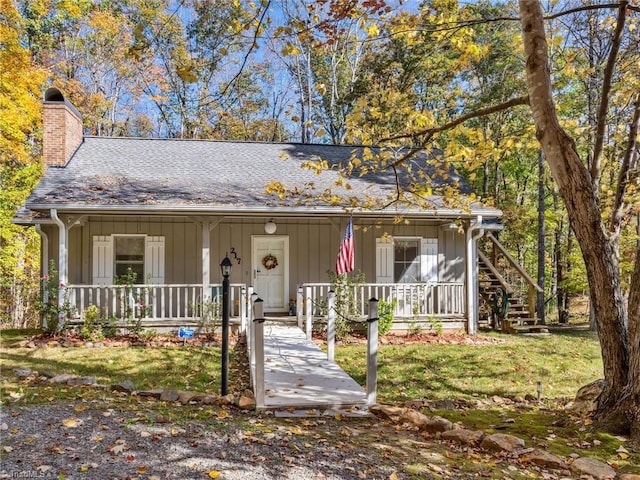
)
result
[(182, 302), (441, 299)]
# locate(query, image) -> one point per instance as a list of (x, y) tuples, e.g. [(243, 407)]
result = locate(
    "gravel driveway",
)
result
[(91, 440)]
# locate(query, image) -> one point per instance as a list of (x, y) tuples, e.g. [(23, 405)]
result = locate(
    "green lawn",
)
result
[(563, 362)]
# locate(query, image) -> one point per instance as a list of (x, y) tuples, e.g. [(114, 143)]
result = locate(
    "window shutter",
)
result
[(102, 260), (429, 259), (384, 261), (154, 260)]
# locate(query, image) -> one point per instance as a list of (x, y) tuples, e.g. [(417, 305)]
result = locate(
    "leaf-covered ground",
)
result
[(86, 432)]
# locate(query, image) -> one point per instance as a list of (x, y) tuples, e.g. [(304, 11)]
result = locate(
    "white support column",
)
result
[(309, 313), (206, 262), (251, 341), (299, 307), (244, 299), (258, 323), (471, 274), (63, 249), (372, 352), (331, 326)]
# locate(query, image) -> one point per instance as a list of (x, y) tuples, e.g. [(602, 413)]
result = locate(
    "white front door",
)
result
[(270, 263)]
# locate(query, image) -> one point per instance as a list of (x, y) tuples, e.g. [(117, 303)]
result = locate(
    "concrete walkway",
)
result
[(298, 375)]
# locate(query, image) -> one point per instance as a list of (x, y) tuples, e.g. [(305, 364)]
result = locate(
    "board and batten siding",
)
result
[(313, 246)]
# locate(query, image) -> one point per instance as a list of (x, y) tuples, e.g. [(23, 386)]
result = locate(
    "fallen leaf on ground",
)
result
[(70, 422), (214, 474), (118, 447)]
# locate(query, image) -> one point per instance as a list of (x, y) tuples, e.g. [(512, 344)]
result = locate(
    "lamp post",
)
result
[(225, 267)]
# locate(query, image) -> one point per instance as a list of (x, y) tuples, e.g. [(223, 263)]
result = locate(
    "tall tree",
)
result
[(619, 333), (20, 91)]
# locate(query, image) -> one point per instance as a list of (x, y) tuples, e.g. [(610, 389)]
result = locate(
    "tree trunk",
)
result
[(541, 236), (577, 190)]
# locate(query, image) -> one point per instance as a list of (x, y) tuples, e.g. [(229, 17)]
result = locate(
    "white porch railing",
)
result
[(153, 302), (442, 299)]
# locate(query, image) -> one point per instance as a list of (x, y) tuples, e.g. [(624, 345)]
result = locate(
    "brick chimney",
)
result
[(62, 129)]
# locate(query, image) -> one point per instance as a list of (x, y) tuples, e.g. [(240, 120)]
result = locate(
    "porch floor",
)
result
[(298, 375)]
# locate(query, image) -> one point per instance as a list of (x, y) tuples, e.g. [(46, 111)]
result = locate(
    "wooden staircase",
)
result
[(506, 307)]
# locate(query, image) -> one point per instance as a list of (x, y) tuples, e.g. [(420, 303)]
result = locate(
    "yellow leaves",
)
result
[(214, 474), (70, 423), (290, 49), (296, 430), (79, 408), (222, 414)]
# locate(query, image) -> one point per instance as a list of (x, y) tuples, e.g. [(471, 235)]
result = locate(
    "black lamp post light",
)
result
[(225, 267)]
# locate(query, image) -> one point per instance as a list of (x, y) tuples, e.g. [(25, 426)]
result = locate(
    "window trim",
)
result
[(418, 241), (143, 262)]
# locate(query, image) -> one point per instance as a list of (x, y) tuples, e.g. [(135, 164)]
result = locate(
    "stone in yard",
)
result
[(435, 425), (209, 400), (586, 398), (125, 387), (501, 442), (246, 402), (186, 397), (226, 400), (62, 378), (169, 396), (22, 372), (387, 410), (81, 381), (545, 459), (593, 467), (464, 436), (156, 393)]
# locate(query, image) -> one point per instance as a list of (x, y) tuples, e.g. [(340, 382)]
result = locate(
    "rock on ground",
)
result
[(501, 442), (593, 467)]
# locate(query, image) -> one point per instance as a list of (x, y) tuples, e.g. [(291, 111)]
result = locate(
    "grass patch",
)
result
[(562, 362), (13, 335)]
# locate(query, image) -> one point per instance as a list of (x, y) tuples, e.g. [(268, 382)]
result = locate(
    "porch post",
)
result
[(206, 263), (63, 259), (372, 352), (258, 333), (243, 309), (63, 262), (331, 326), (309, 313), (472, 274), (299, 307)]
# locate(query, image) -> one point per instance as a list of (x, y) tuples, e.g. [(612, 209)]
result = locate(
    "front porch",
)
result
[(167, 307)]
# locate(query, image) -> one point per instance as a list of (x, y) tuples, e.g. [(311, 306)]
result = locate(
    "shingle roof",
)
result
[(109, 172)]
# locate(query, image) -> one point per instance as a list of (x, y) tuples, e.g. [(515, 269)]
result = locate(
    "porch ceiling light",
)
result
[(270, 227), (225, 267)]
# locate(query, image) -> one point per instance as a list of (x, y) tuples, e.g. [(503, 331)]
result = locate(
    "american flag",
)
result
[(345, 262)]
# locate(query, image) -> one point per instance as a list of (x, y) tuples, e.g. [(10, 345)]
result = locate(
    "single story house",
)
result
[(170, 210)]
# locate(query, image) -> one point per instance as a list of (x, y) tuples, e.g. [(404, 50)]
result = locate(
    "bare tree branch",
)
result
[(606, 90), (629, 164), (252, 47)]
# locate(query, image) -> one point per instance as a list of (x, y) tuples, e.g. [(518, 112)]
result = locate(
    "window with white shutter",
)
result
[(115, 255)]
